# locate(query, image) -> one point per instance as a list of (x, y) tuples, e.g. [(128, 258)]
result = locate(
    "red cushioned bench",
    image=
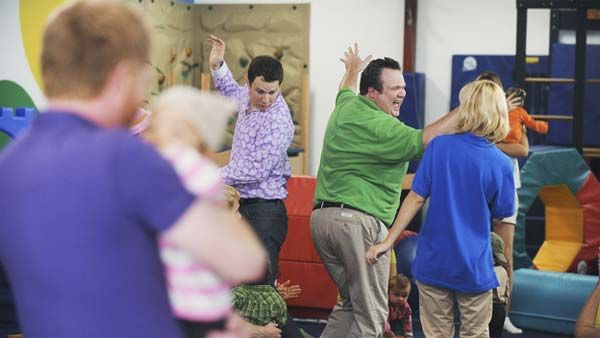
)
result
[(298, 259)]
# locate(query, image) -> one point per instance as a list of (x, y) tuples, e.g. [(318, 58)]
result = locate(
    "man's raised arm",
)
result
[(354, 65), (443, 125), (222, 77)]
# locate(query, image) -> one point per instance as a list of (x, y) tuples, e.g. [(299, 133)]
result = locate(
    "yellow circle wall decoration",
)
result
[(33, 15)]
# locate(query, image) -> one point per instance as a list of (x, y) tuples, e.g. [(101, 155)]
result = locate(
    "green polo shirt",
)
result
[(365, 157)]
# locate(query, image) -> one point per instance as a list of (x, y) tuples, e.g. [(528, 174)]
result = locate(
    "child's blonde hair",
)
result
[(483, 110), (232, 196), (207, 114)]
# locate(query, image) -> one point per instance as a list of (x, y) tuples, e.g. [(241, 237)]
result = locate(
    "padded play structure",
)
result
[(571, 195), (406, 250), (298, 259), (412, 110), (549, 301), (14, 121), (17, 110), (560, 96)]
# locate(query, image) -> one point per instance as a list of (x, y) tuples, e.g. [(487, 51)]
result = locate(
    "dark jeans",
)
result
[(269, 220), (497, 322), (200, 329), (290, 330)]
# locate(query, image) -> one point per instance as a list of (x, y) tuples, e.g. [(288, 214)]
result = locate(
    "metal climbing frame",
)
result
[(580, 7)]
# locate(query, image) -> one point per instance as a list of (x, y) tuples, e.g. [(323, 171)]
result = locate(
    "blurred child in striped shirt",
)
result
[(186, 124)]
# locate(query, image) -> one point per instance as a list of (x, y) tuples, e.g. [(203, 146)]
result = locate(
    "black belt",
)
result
[(326, 204), (256, 200)]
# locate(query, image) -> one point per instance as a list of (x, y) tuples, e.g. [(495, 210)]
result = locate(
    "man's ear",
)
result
[(117, 79), (372, 93)]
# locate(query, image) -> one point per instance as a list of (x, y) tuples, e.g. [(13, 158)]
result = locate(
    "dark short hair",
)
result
[(371, 76), (398, 283), (490, 76), (266, 66)]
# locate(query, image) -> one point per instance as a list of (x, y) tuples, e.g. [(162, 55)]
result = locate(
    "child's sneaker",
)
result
[(510, 327)]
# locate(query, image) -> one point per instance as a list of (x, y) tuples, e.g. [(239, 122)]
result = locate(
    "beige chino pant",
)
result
[(436, 310), (342, 237)]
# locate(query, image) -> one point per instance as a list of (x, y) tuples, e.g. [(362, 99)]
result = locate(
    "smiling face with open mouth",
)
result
[(393, 91)]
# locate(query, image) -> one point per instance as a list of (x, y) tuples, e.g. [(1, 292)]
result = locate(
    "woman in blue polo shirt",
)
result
[(469, 182)]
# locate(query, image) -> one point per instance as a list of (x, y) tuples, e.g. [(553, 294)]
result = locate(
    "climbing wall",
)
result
[(180, 51), (173, 58)]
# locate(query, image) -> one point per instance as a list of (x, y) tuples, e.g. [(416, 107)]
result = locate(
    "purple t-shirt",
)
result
[(81, 209)]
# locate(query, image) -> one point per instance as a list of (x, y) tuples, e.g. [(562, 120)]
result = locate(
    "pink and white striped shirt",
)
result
[(196, 292)]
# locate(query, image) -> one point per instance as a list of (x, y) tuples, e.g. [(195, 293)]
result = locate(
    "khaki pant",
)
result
[(342, 237), (436, 309)]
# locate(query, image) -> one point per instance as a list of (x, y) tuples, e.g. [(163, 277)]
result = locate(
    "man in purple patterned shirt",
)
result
[(259, 167)]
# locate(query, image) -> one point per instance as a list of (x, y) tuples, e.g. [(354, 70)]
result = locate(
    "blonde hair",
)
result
[(483, 110), (84, 41), (232, 196), (206, 114)]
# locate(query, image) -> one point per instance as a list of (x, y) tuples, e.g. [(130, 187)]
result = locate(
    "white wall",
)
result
[(376, 25), (13, 62), (445, 28)]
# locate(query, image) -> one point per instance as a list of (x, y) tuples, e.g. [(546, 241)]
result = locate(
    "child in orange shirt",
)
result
[(517, 117)]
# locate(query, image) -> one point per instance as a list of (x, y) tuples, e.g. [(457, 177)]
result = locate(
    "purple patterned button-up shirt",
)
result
[(259, 166)]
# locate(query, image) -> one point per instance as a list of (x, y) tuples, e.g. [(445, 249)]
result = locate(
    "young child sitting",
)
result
[(518, 116), (186, 123), (469, 182), (399, 322), (260, 304)]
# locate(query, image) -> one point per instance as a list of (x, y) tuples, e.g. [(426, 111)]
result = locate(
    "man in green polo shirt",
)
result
[(365, 156)]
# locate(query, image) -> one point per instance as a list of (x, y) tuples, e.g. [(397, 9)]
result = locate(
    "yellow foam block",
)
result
[(564, 224), (558, 195), (556, 255), (564, 215)]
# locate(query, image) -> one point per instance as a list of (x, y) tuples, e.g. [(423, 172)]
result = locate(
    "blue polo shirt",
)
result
[(468, 181), (81, 210)]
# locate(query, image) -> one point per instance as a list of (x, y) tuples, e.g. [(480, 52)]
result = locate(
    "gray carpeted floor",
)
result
[(315, 330)]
